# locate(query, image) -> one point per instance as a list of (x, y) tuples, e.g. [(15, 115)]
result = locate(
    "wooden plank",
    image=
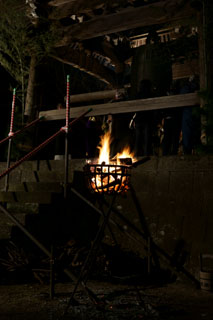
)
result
[(98, 95), (158, 13), (173, 101), (58, 3)]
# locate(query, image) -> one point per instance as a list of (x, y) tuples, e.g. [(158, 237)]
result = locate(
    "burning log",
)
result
[(110, 184), (141, 161), (125, 161), (111, 175)]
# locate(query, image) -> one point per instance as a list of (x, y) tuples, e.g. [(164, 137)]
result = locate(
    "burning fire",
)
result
[(104, 154), (125, 154), (111, 174)]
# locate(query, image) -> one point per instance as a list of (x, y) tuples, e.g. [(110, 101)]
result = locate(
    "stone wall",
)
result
[(171, 200), (175, 195)]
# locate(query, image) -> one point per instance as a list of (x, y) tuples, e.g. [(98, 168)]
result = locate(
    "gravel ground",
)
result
[(176, 301)]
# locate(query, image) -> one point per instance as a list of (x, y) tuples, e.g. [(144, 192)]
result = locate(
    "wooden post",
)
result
[(203, 65), (149, 255), (52, 274)]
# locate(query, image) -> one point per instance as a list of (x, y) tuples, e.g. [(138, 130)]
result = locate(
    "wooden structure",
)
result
[(78, 23), (89, 30)]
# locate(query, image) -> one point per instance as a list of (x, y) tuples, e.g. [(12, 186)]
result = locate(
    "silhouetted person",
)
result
[(187, 121), (177, 120), (151, 76), (93, 132), (143, 123)]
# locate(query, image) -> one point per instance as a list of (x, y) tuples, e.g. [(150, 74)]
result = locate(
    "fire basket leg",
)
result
[(144, 226), (86, 268)]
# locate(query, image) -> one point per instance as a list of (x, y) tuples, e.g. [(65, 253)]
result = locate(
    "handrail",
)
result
[(11, 135), (42, 145), (21, 130)]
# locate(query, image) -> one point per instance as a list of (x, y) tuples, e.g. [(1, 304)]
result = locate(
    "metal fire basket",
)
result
[(107, 178)]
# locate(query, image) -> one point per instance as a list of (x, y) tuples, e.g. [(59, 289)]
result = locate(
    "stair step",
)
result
[(26, 197), (19, 207), (36, 187), (41, 171)]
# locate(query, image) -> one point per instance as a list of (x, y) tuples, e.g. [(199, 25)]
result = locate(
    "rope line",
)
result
[(20, 130), (41, 146)]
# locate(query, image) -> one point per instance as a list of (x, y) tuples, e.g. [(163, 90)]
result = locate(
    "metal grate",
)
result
[(109, 179)]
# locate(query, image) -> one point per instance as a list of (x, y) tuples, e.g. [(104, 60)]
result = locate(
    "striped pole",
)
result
[(12, 113), (21, 130), (42, 145), (67, 102), (10, 140), (66, 151)]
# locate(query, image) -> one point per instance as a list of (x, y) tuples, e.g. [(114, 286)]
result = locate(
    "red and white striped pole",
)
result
[(68, 103), (10, 134), (66, 165)]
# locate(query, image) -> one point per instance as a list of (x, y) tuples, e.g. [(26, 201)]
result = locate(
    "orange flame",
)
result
[(126, 153), (104, 154), (111, 177)]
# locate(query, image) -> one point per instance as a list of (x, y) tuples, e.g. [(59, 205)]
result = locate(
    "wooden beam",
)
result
[(92, 96), (58, 3), (173, 101), (157, 13), (84, 61), (75, 7), (105, 77), (65, 8)]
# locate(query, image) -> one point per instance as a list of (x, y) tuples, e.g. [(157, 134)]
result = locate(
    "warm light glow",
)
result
[(104, 154), (125, 154), (110, 177)]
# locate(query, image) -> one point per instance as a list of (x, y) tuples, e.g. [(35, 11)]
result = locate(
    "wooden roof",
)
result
[(81, 21), (115, 16)]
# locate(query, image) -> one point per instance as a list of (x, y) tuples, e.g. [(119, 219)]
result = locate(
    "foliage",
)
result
[(13, 40), (16, 258), (19, 39)]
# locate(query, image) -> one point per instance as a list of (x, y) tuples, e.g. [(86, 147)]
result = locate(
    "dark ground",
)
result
[(178, 301)]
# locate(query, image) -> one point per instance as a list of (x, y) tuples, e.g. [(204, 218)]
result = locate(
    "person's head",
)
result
[(152, 37)]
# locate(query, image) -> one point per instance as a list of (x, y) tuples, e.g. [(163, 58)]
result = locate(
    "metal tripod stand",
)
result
[(84, 273), (82, 279)]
